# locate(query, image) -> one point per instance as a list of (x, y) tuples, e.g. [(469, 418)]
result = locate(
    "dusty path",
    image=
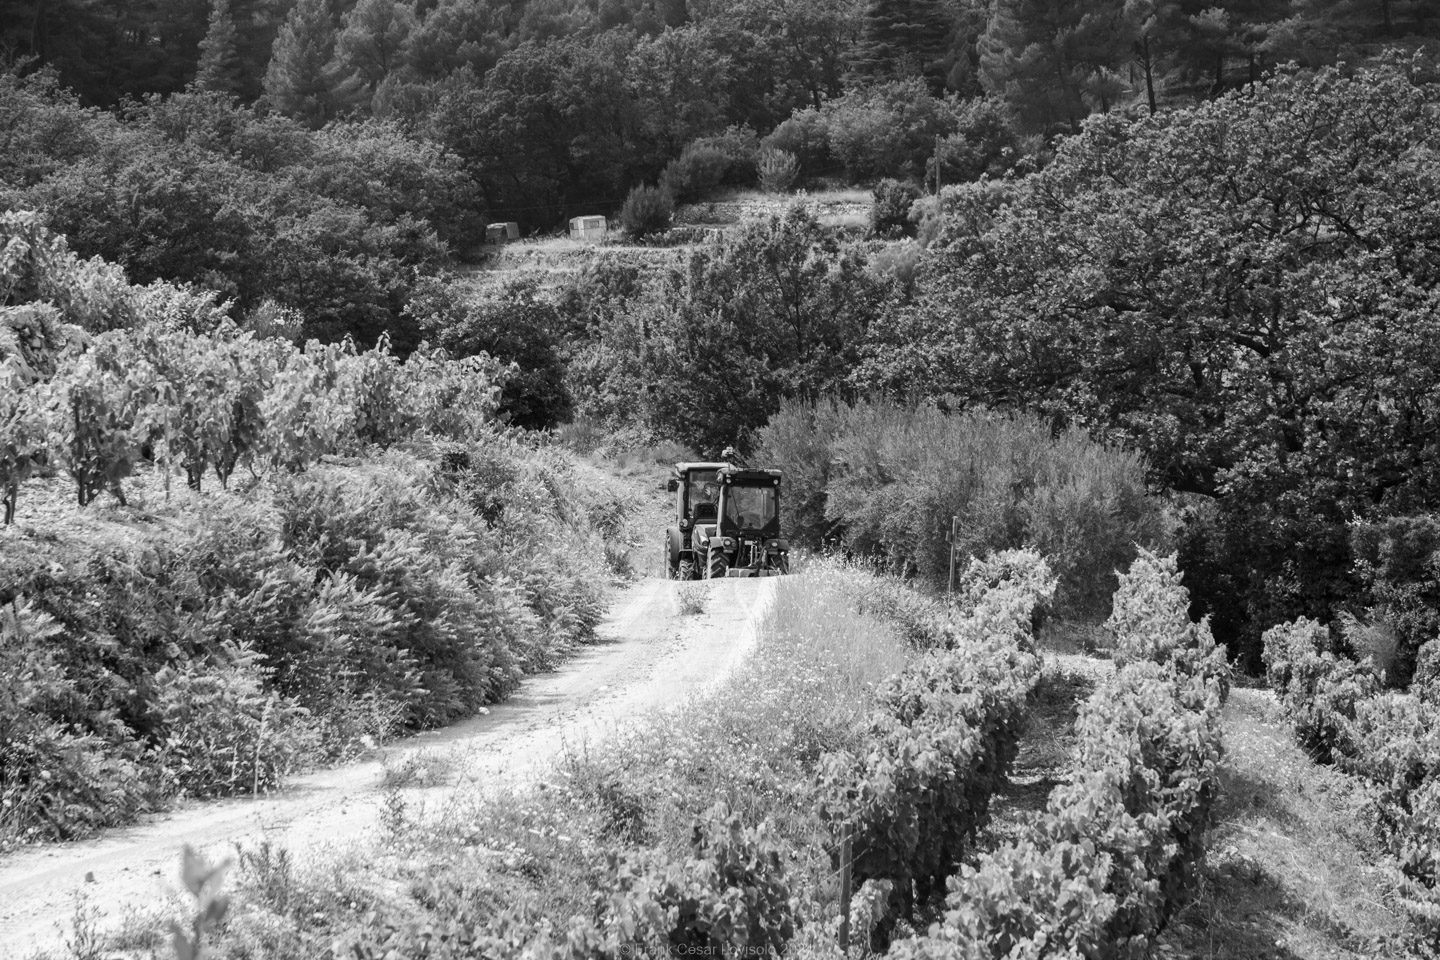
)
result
[(649, 658)]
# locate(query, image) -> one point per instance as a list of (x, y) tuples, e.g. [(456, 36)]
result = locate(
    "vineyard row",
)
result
[(1390, 740), (96, 406)]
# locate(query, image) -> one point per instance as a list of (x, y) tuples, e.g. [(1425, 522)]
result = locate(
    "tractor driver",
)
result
[(705, 492)]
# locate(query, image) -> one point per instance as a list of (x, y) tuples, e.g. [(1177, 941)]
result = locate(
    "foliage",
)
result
[(777, 170), (1397, 561), (1318, 689), (885, 480), (260, 631), (65, 771), (890, 209), (1150, 620), (220, 733), (707, 350), (1387, 739), (1114, 853), (647, 211), (983, 144), (1143, 286), (942, 738), (698, 170), (517, 324), (730, 898)]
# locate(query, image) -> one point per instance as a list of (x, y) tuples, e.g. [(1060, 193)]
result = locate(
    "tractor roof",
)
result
[(744, 474), (687, 466)]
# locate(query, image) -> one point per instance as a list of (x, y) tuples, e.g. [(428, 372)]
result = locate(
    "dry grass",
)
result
[(1293, 870)]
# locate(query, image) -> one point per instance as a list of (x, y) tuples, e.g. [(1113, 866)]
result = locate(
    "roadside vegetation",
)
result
[(722, 826), (226, 559)]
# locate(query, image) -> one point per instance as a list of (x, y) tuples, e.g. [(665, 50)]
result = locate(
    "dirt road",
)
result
[(649, 657)]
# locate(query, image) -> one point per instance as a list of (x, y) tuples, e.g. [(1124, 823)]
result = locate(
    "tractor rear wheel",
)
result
[(716, 564)]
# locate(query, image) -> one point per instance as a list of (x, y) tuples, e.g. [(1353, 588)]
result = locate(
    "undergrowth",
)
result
[(215, 644)]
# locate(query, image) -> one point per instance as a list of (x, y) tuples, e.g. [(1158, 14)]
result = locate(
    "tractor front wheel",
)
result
[(717, 564), (687, 570)]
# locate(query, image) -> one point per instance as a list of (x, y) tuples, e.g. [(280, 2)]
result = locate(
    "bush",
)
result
[(804, 139), (222, 734), (983, 145), (890, 209), (698, 170), (647, 210), (1398, 563), (778, 170), (885, 481), (741, 148)]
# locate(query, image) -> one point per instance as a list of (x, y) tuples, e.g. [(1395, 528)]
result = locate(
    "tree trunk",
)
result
[(1149, 73)]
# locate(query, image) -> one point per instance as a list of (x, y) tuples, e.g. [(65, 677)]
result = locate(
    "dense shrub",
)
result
[(647, 210), (66, 768), (885, 481), (698, 170), (982, 145), (239, 641), (517, 323), (777, 170), (1397, 562), (741, 147), (886, 130), (337, 223), (221, 733), (890, 208)]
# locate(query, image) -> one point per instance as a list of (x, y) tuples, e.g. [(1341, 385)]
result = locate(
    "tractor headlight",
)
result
[(727, 543)]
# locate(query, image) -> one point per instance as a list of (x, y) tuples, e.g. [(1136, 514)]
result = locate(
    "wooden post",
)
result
[(845, 891), (954, 522)]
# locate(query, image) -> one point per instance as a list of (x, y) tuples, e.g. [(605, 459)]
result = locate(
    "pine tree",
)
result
[(304, 78), (1053, 61), (905, 38), (373, 37), (219, 69)]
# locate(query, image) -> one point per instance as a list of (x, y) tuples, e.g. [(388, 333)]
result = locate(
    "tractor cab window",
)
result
[(750, 508), (703, 487)]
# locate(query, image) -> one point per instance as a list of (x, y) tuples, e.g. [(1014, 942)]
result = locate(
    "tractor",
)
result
[(727, 523)]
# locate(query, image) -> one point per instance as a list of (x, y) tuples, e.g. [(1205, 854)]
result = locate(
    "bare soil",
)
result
[(648, 657)]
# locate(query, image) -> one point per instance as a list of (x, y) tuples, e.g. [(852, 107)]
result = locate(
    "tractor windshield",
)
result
[(751, 508)]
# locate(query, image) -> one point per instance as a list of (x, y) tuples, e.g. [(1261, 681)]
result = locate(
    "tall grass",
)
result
[(883, 480)]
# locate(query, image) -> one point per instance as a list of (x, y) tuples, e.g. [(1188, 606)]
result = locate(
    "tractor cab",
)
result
[(727, 523), (749, 503)]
